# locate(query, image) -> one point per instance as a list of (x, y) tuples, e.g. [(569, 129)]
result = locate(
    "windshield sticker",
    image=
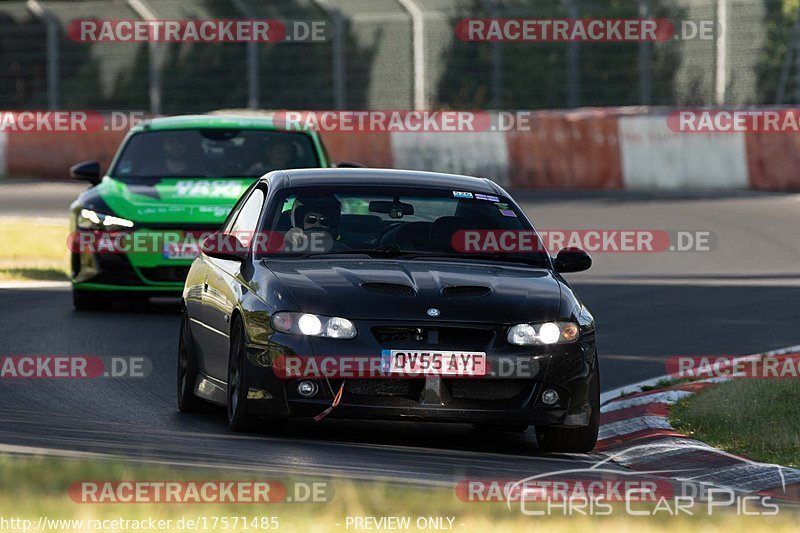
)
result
[(486, 197), (210, 189), (508, 213), (462, 194)]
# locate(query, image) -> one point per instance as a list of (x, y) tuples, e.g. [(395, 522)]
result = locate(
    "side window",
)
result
[(247, 217)]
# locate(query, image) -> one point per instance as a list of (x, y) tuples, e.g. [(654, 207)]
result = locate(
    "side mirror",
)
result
[(224, 246), (572, 260), (349, 164), (86, 171)]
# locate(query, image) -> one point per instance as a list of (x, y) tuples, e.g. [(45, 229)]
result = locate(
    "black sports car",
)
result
[(350, 293)]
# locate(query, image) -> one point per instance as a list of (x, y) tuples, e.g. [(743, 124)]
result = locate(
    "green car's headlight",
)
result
[(545, 333), (88, 219), (314, 325)]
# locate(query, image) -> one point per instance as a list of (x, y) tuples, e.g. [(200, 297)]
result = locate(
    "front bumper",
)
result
[(505, 396), (150, 270)]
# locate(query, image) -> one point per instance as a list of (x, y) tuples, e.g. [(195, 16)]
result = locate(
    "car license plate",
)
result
[(434, 362), (176, 250)]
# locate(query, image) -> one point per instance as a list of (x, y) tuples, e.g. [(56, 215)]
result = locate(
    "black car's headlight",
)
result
[(314, 325), (544, 333), (88, 219)]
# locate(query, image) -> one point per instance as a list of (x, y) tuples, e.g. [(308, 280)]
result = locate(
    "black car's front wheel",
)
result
[(238, 417), (187, 369), (580, 440)]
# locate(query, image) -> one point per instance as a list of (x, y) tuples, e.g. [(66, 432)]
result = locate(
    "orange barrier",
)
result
[(50, 154), (566, 150), (536, 155), (773, 160), (372, 149), (594, 149)]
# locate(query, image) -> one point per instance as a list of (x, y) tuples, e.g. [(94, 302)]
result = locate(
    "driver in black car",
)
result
[(315, 225)]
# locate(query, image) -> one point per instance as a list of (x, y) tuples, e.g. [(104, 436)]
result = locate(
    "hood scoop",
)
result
[(396, 289), (465, 291)]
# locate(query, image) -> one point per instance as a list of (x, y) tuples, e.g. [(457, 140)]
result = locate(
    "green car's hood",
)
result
[(173, 200)]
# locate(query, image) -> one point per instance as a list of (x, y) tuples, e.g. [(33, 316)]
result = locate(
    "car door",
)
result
[(222, 290)]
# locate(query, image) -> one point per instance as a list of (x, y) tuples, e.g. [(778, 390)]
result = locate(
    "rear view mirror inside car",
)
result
[(393, 209)]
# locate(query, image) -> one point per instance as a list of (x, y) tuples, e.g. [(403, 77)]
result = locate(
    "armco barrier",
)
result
[(655, 157), (566, 150), (50, 154), (594, 144), (369, 149), (631, 148), (481, 153), (773, 161), (537, 155)]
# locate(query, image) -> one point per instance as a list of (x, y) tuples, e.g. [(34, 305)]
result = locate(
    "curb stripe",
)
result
[(667, 397), (633, 438), (646, 409)]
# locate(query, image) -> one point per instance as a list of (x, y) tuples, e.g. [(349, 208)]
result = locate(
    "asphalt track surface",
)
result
[(738, 298)]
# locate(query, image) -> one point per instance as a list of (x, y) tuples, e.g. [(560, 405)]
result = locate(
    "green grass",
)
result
[(755, 418), (33, 250), (33, 486)]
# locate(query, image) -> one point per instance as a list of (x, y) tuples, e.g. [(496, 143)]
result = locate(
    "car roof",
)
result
[(222, 121), (321, 177)]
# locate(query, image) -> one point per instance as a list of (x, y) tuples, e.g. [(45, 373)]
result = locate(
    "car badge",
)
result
[(433, 312)]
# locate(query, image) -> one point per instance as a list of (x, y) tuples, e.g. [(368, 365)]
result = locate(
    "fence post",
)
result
[(496, 55), (253, 81), (338, 57), (53, 29), (573, 63), (645, 66), (418, 52), (154, 56), (721, 75)]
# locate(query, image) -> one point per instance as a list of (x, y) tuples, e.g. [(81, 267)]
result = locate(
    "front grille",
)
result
[(115, 269), (389, 288), (465, 291), (485, 389), (445, 338), (165, 273), (386, 335), (378, 387)]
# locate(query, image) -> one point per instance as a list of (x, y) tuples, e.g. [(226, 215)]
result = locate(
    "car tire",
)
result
[(90, 300), (238, 417), (580, 440), (187, 370)]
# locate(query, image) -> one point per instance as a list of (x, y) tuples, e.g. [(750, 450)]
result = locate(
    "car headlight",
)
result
[(545, 333), (88, 219), (314, 325)]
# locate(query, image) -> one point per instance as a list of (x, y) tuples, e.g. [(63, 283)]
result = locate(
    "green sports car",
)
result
[(173, 180)]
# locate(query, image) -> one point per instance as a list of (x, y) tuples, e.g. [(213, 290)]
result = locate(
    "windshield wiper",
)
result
[(387, 250), (392, 251), (501, 257)]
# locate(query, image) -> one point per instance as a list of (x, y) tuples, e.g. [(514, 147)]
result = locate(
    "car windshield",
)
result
[(213, 153), (396, 223)]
